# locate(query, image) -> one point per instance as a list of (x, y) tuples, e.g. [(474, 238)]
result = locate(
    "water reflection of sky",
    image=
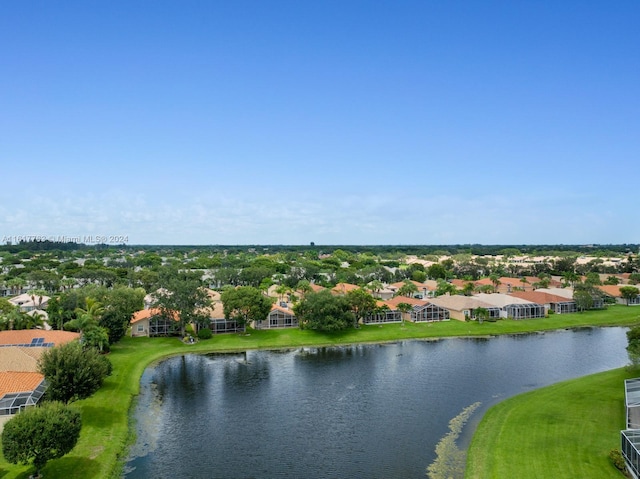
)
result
[(354, 411)]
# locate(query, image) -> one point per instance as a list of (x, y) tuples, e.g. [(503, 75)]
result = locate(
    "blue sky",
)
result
[(338, 122)]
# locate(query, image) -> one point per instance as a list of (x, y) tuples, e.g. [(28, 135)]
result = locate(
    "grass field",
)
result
[(105, 433), (561, 431)]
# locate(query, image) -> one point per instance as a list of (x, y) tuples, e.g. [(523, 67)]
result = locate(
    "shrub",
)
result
[(38, 434), (617, 459), (205, 333), (73, 372)]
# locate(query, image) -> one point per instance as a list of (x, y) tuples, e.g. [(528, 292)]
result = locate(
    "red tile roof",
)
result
[(17, 382), (25, 336), (540, 297), (395, 301)]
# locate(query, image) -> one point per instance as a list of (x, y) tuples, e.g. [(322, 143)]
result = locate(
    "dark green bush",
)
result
[(205, 333), (617, 459)]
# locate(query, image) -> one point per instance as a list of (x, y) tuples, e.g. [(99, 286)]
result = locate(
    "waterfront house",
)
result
[(462, 307), (279, 317), (513, 307), (152, 322), (551, 302)]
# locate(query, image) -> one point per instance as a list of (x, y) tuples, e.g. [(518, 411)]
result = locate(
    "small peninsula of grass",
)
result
[(565, 430), (105, 432)]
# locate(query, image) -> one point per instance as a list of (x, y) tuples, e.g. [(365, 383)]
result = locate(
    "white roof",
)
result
[(563, 292), (458, 302)]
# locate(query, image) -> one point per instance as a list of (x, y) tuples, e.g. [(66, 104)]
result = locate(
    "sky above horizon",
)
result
[(334, 122)]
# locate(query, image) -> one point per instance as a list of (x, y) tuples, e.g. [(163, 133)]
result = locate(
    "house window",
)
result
[(140, 328)]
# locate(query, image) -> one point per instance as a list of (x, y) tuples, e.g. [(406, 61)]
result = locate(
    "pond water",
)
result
[(363, 411)]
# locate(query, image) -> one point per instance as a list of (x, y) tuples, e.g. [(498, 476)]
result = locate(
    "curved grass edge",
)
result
[(106, 433), (565, 430)]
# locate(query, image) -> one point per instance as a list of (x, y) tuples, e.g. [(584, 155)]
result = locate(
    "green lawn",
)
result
[(561, 431), (105, 431)]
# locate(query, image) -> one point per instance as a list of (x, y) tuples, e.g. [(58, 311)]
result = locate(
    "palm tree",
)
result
[(524, 282), (404, 308), (281, 290), (37, 295), (86, 318), (67, 283), (481, 314), (375, 286), (495, 279), (16, 285)]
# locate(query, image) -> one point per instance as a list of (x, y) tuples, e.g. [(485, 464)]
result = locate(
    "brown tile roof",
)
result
[(17, 382), (540, 297), (342, 288), (611, 290), (18, 359), (395, 301), (146, 314), (25, 336), (277, 307)]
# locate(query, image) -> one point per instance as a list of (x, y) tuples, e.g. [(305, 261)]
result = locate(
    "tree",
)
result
[(633, 346), (629, 292), (73, 372), (436, 271), (323, 311), (362, 304), (404, 308), (585, 294), (495, 280), (183, 293), (468, 288), (407, 289), (444, 287), (375, 286), (612, 280), (593, 278), (481, 314), (39, 434), (304, 286), (120, 305), (245, 304)]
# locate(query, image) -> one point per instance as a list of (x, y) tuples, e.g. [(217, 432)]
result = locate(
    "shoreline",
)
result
[(106, 434)]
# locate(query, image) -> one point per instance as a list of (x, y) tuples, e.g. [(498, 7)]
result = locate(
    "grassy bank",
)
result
[(105, 415), (561, 431)]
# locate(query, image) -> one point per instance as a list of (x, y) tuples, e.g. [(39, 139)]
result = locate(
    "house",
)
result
[(429, 312), (557, 304), (30, 302), (424, 290), (218, 322), (152, 322), (614, 292), (279, 317), (21, 384), (567, 293), (421, 310), (513, 307), (383, 314), (462, 307)]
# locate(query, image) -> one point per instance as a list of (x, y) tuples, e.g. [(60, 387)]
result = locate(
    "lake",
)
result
[(362, 411)]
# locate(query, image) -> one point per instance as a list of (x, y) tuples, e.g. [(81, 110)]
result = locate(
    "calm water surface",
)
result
[(366, 411)]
